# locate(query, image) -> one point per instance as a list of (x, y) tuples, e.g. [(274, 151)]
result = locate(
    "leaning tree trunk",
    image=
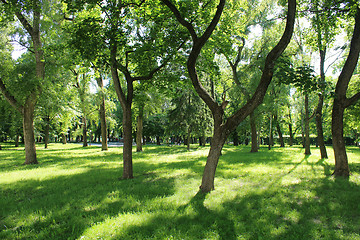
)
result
[(341, 102), (217, 143), (254, 142), (127, 149), (139, 129), (29, 136)]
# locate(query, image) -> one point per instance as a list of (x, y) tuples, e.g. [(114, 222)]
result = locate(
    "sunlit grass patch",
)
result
[(77, 193)]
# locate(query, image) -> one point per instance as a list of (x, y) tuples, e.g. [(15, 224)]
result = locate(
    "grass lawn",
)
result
[(77, 193)]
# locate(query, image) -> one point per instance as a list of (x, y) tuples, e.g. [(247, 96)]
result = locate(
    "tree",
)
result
[(342, 101), (222, 129), (20, 10)]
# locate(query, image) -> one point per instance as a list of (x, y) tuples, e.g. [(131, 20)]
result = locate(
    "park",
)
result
[(178, 119)]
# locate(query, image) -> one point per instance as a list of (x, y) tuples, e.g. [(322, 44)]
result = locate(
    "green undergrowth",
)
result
[(78, 193)]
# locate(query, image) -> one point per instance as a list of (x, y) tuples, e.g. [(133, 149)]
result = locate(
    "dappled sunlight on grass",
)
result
[(77, 193)]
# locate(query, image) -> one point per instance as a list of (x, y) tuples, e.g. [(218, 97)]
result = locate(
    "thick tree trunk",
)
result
[(278, 129), (319, 109), (217, 143), (139, 129), (254, 145), (307, 126), (85, 143), (341, 102), (341, 160), (127, 149), (236, 138), (29, 137)]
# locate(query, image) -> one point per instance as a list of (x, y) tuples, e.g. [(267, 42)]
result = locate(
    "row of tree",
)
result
[(198, 67)]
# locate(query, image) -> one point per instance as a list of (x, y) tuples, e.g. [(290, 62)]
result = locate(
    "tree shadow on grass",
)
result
[(63, 207)]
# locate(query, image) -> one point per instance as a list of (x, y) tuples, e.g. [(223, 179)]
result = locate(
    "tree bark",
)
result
[(102, 113), (254, 143), (127, 149), (28, 128), (84, 122), (46, 131), (291, 135), (270, 133), (17, 138), (278, 129), (319, 108), (63, 138), (341, 102), (139, 129), (307, 126)]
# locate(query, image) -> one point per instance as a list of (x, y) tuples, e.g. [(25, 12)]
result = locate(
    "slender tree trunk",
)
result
[(139, 129), (319, 109), (29, 137), (17, 139), (270, 133), (278, 129), (291, 139), (47, 130), (102, 111), (188, 138), (254, 145), (127, 150), (236, 138), (85, 143), (307, 126)]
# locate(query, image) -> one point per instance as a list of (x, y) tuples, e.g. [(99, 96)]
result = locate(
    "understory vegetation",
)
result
[(77, 193)]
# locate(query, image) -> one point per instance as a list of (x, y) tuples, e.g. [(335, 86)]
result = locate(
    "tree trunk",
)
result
[(236, 138), (63, 138), (85, 143), (102, 111), (307, 126), (270, 133), (139, 129), (278, 129), (291, 139), (318, 111), (341, 160), (341, 102), (254, 143), (127, 149), (47, 130), (188, 138), (217, 143), (17, 139), (29, 137)]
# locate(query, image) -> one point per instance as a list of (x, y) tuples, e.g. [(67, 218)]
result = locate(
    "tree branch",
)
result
[(10, 98), (181, 20), (352, 100)]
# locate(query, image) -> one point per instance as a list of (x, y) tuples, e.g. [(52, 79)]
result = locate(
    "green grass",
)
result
[(77, 193)]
